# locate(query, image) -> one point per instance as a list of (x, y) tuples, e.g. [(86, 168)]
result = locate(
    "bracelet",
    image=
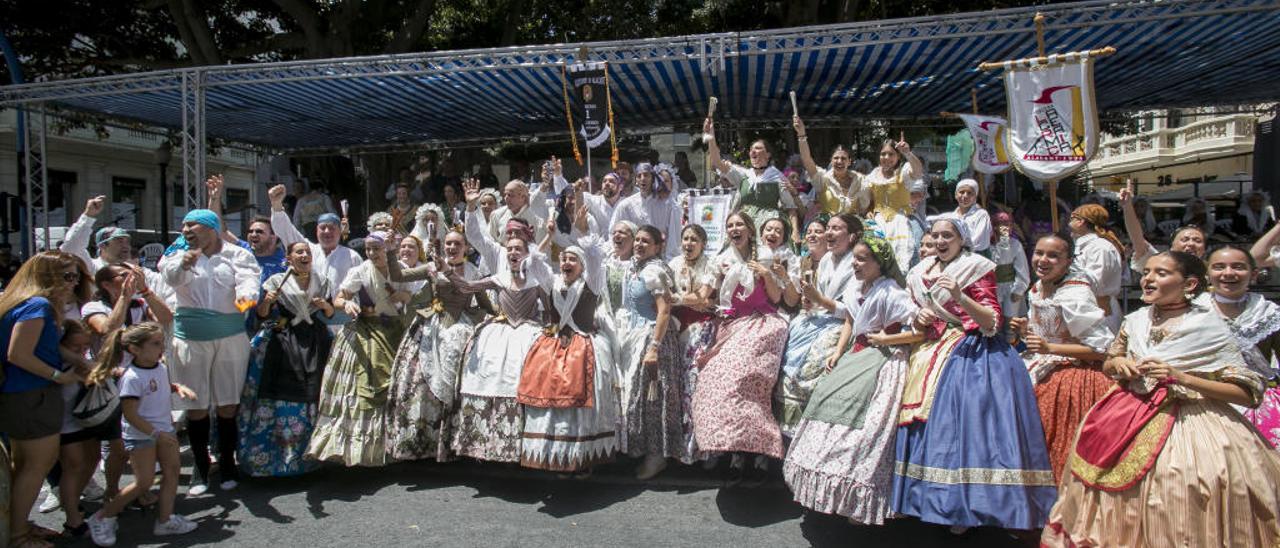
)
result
[(55, 375), (802, 138)]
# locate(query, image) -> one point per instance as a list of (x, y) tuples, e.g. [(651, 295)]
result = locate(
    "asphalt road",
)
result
[(469, 504)]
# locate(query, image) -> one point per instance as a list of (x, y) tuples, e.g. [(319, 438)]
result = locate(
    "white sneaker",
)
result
[(50, 502), (177, 525), (93, 491), (228, 485), (102, 530), (197, 490)]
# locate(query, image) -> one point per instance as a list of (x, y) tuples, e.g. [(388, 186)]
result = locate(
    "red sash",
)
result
[(1121, 438)]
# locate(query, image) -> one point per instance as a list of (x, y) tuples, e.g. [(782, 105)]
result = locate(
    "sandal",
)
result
[(41, 533), (28, 540)]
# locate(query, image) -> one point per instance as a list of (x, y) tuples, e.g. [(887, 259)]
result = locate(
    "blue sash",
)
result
[(199, 324)]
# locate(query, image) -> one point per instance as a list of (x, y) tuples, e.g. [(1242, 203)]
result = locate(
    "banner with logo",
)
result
[(989, 135), (1053, 118), (711, 211), (588, 83)]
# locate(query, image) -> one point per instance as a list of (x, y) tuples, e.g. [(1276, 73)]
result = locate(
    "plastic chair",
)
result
[(150, 254)]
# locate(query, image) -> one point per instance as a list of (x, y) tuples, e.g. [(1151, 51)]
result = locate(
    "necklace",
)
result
[(1228, 300), (1159, 313)]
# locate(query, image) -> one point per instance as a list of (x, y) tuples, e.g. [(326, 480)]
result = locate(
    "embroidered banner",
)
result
[(989, 135), (1053, 117), (711, 211)]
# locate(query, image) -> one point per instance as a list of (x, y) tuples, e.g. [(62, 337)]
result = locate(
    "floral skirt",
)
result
[(1216, 482), (1065, 397), (1267, 416), (350, 427), (810, 338), (732, 404), (273, 433), (653, 401), (695, 339), (845, 469), (488, 428), (424, 387)]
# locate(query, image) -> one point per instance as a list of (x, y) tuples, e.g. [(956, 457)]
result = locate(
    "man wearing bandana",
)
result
[(655, 205), (214, 283), (113, 243), (329, 258)]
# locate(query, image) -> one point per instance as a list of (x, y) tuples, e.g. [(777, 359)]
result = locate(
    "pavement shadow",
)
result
[(745, 507), (824, 530)]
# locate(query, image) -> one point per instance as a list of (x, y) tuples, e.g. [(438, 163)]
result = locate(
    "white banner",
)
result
[(989, 134), (1053, 117), (711, 211)]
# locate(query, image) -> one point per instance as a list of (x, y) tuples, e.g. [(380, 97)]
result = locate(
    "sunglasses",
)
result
[(70, 277)]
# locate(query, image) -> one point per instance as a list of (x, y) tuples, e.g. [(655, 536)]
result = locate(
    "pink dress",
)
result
[(732, 403)]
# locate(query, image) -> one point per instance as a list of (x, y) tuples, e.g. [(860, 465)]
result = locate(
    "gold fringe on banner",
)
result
[(613, 131), (568, 113)]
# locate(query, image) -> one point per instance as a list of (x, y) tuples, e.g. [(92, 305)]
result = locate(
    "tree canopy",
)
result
[(58, 39)]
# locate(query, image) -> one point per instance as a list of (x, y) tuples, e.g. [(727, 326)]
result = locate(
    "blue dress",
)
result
[(652, 401), (980, 457)]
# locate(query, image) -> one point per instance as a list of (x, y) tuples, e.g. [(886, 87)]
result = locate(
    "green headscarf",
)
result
[(883, 254)]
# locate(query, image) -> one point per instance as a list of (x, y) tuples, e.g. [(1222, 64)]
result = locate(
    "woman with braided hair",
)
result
[(841, 460), (732, 403)]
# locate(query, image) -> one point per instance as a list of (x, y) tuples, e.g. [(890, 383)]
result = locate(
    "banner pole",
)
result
[(982, 177), (589, 161), (1053, 203)]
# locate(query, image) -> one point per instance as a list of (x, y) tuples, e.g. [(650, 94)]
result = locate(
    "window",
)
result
[(127, 199), (236, 210), (59, 192)]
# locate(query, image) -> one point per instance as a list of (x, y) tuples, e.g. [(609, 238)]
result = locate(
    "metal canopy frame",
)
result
[(879, 69)]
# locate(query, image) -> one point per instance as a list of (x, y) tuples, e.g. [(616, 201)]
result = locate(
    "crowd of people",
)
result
[(952, 367)]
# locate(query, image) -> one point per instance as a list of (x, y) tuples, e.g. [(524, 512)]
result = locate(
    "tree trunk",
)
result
[(198, 22), (406, 38)]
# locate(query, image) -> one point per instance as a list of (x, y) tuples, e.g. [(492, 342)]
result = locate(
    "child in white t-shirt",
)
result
[(148, 429)]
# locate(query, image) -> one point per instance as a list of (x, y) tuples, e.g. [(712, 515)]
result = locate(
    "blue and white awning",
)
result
[(1170, 54)]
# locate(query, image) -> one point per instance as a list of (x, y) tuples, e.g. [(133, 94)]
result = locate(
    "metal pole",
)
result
[(588, 160), (164, 204)]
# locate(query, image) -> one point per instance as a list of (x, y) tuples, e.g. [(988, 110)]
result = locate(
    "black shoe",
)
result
[(76, 532)]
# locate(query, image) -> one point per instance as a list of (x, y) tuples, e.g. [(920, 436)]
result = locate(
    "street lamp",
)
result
[(164, 153)]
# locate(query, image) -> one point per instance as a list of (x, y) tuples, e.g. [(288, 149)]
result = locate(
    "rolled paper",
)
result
[(711, 111), (795, 111), (345, 206)]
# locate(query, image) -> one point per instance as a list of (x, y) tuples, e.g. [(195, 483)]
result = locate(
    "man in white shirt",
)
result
[(214, 283), (518, 205), (114, 246), (650, 206), (331, 259)]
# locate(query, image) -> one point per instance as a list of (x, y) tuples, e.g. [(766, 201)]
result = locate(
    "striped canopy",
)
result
[(1172, 53)]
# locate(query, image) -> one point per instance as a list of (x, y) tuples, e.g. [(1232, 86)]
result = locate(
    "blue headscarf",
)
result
[(199, 216), (328, 218)]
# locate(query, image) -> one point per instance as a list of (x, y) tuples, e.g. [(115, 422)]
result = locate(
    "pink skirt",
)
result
[(732, 402)]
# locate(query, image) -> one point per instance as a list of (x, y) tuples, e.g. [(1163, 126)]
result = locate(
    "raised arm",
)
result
[(76, 240), (903, 148), (1132, 224), (1261, 249), (713, 149), (806, 157), (281, 224), (215, 184)]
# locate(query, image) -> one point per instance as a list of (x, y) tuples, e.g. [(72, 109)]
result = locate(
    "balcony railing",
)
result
[(1223, 134)]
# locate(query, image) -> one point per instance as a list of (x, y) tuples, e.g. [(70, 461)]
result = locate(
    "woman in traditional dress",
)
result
[(286, 368), (1254, 217), (567, 383), (974, 215), (424, 377), (837, 189), (774, 234), (970, 446), (1255, 321), (1066, 342), (489, 420), (695, 279), (889, 186), (1099, 255), (814, 331), (1164, 460), (651, 371), (350, 426), (759, 186), (732, 402), (841, 460)]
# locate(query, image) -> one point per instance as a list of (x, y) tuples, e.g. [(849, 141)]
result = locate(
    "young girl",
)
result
[(148, 428), (1255, 321), (841, 461), (695, 277), (786, 266)]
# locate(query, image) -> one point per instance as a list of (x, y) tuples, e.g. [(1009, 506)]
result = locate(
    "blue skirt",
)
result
[(810, 339), (981, 457), (273, 433)]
